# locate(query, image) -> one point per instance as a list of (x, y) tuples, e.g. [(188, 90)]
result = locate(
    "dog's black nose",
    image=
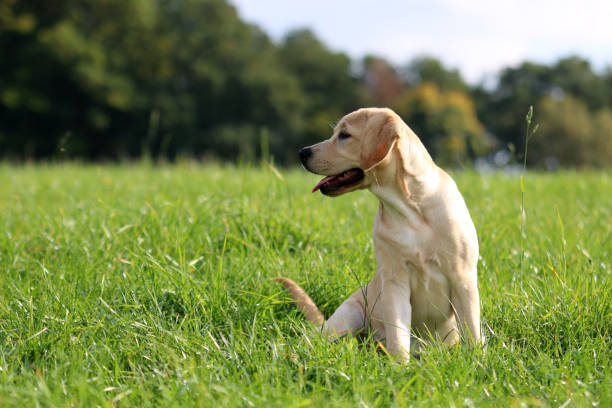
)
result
[(305, 153)]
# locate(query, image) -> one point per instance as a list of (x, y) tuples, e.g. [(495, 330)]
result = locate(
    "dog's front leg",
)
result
[(397, 317), (465, 301)]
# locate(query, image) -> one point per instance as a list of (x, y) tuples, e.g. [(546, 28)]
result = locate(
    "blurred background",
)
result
[(244, 80)]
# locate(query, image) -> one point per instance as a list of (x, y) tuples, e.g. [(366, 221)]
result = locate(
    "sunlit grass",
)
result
[(133, 285)]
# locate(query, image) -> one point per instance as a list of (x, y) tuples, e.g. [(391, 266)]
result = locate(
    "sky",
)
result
[(479, 37)]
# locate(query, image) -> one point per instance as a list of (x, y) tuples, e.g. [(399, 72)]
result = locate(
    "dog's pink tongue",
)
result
[(323, 181)]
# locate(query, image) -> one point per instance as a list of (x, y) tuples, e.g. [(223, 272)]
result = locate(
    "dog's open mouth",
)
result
[(334, 184)]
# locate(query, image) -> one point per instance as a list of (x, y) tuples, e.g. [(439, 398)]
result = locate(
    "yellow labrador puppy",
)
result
[(425, 285)]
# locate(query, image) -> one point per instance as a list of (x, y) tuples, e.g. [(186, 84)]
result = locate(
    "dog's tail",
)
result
[(303, 302)]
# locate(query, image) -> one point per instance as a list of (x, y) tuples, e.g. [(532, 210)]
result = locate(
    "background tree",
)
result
[(574, 76), (430, 69), (329, 89), (446, 122), (502, 108), (381, 81), (571, 135)]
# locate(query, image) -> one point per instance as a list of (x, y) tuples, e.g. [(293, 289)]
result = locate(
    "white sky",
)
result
[(477, 36)]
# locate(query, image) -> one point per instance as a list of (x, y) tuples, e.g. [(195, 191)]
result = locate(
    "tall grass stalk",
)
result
[(528, 134)]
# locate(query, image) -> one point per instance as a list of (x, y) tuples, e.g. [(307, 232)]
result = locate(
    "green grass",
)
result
[(139, 285)]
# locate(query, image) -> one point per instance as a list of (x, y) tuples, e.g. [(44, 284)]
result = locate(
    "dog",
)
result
[(425, 284)]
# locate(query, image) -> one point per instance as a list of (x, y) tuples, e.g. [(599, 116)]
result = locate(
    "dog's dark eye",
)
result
[(343, 135)]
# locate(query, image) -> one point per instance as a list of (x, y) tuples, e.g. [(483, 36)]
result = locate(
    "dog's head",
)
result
[(361, 141)]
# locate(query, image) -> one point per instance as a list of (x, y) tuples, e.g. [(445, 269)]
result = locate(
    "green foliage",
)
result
[(445, 121), (324, 77), (429, 69), (574, 76), (148, 286), (503, 108), (114, 63), (572, 135)]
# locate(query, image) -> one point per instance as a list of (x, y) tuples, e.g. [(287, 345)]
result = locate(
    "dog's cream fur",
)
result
[(425, 285)]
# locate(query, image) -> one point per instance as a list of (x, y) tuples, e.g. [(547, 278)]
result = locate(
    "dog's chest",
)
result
[(409, 255), (400, 243)]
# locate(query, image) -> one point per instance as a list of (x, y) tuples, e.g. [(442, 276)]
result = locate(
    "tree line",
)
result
[(116, 79)]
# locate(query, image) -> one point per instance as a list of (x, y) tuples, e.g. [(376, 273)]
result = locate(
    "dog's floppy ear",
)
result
[(378, 140)]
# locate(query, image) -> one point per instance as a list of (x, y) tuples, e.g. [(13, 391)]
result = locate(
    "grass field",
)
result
[(139, 285)]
